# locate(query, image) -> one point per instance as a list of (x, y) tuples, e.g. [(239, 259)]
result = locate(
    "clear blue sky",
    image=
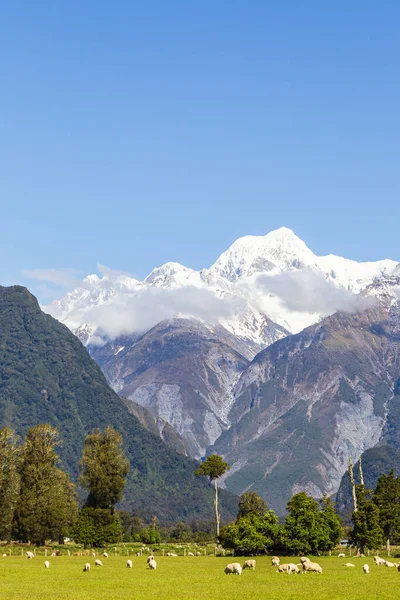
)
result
[(133, 133)]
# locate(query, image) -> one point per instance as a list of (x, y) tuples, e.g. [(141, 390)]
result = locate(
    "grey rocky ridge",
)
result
[(282, 361)]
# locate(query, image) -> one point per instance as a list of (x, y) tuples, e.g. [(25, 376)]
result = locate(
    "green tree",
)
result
[(252, 534), (213, 468), (366, 532), (47, 506), (387, 498), (251, 502), (331, 524), (9, 480), (104, 468), (181, 532), (97, 527), (305, 528)]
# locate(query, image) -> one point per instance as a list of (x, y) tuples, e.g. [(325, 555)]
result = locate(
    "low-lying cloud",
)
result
[(308, 291)]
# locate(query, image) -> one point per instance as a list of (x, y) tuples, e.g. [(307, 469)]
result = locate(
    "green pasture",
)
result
[(190, 578)]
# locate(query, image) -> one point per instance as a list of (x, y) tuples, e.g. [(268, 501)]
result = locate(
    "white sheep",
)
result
[(94, 554), (283, 568), (105, 554), (98, 563), (190, 554), (152, 564), (292, 568), (138, 554), (53, 554), (349, 565), (275, 561), (46, 564), (366, 568), (389, 564), (379, 561), (30, 554), (149, 558), (233, 568), (309, 566), (86, 567), (249, 564), (341, 555), (129, 564), (198, 553)]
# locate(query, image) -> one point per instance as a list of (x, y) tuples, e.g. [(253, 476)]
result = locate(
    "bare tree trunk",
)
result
[(361, 474), (217, 515), (388, 546), (353, 486)]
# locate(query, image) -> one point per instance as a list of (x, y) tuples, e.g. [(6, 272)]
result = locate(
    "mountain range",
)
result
[(284, 362)]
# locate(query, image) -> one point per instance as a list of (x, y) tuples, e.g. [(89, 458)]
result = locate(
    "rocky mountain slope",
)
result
[(309, 401), (46, 375), (182, 371)]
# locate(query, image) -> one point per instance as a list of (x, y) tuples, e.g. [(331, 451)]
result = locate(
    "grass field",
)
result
[(190, 578)]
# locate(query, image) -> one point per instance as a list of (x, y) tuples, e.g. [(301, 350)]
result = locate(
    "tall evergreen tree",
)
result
[(213, 468), (47, 504), (366, 532), (387, 498), (104, 468), (9, 480)]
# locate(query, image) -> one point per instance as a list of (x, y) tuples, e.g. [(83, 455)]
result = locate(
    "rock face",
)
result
[(311, 400), (181, 371), (47, 376)]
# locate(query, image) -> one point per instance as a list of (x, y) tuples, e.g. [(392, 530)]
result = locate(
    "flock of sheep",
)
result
[(305, 564), (235, 568)]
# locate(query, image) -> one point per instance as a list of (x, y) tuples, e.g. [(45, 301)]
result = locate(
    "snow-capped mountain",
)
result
[(260, 289)]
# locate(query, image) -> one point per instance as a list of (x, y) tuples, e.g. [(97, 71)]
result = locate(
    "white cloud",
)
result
[(308, 291)]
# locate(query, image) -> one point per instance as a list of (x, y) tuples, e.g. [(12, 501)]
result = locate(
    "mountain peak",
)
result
[(275, 252)]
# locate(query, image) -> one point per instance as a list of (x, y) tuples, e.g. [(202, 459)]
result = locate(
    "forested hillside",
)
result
[(46, 375)]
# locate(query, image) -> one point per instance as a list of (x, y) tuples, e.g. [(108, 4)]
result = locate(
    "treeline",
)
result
[(309, 526), (376, 514), (38, 501)]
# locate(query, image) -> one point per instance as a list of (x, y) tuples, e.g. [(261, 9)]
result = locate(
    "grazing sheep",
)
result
[(389, 564), (233, 569), (284, 568), (292, 568), (249, 564), (86, 567), (153, 564), (198, 553), (46, 564), (275, 561), (129, 564), (379, 561), (138, 554), (366, 568), (105, 555), (190, 554), (53, 554), (349, 565), (98, 563), (30, 554), (309, 566), (341, 555)]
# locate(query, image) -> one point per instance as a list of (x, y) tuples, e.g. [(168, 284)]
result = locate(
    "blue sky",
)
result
[(134, 133)]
